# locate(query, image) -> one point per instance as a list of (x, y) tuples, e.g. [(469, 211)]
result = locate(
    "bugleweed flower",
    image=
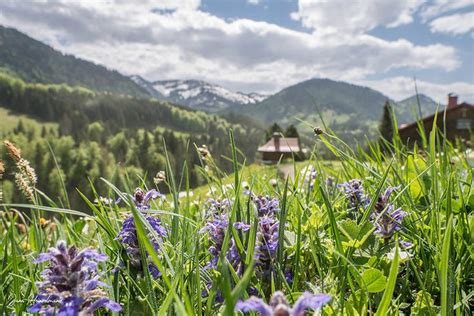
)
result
[(128, 234), (128, 237), (382, 201), (267, 244), (389, 222), (386, 218), (355, 194), (279, 306), (142, 199), (266, 205), (216, 207), (216, 227), (267, 234), (71, 283)]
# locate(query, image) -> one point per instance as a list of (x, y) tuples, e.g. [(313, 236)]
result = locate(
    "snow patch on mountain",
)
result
[(199, 94), (186, 89)]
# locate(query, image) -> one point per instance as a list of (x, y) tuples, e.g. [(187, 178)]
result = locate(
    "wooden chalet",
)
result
[(459, 121), (279, 147)]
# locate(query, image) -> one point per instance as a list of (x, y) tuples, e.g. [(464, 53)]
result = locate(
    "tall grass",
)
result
[(322, 245)]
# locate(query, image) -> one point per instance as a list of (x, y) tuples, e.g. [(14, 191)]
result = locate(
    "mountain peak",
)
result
[(421, 96), (198, 94)]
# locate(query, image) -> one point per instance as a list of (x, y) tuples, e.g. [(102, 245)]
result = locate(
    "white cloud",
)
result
[(355, 16), (439, 7), (399, 88), (254, 2), (453, 24), (175, 40)]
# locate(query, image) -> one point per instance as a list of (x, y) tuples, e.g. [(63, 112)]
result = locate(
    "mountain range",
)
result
[(336, 101), (197, 94)]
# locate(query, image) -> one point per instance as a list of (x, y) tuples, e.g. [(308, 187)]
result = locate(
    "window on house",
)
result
[(463, 124)]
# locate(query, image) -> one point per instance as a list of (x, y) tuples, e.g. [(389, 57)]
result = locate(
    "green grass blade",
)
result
[(390, 287)]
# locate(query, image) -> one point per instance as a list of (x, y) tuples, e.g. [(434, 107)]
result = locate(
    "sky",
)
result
[(266, 45)]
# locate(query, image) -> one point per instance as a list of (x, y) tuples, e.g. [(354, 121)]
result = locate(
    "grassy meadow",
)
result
[(397, 239), (10, 121)]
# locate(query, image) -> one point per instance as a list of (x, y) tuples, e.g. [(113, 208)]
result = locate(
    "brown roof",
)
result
[(287, 145), (439, 114)]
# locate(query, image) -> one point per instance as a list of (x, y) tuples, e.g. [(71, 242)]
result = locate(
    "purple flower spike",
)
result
[(216, 227), (70, 283), (267, 245), (104, 302), (385, 217), (254, 304), (215, 207), (279, 304), (382, 201), (267, 234), (128, 237), (389, 222), (266, 205), (142, 199), (355, 194), (310, 301)]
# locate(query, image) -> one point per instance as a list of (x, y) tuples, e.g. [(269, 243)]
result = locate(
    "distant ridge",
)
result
[(33, 61), (407, 109), (309, 97)]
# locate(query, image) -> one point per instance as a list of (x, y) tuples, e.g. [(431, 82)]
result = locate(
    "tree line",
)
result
[(110, 136)]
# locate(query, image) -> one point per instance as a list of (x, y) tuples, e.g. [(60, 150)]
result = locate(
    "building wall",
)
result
[(275, 156), (459, 124)]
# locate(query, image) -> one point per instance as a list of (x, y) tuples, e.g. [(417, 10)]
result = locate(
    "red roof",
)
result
[(286, 145), (440, 114)]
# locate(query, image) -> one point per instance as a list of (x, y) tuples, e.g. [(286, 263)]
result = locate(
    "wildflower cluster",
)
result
[(266, 206), (216, 227), (128, 234), (25, 177), (385, 217), (355, 194), (279, 305), (71, 283), (267, 234)]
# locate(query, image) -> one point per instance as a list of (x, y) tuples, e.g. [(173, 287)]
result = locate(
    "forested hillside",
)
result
[(104, 135), (37, 62), (407, 110), (352, 111)]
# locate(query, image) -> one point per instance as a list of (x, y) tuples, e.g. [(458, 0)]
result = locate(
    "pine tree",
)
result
[(20, 128), (386, 123), (291, 131), (275, 128)]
